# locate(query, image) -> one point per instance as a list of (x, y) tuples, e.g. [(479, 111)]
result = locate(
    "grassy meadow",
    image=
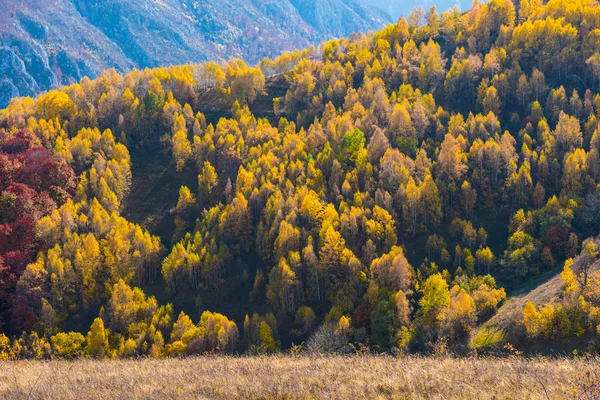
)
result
[(304, 377)]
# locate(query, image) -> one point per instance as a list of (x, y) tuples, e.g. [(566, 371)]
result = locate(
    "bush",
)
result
[(329, 339), (68, 345)]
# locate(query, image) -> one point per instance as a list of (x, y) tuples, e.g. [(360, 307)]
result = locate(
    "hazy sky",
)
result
[(402, 7)]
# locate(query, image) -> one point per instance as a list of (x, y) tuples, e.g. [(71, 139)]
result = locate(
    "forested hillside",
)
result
[(384, 192), (46, 44)]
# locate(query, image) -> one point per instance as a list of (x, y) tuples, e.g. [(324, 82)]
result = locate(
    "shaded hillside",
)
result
[(156, 183), (48, 44)]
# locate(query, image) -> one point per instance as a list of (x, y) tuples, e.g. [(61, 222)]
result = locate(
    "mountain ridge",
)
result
[(46, 45), (397, 8)]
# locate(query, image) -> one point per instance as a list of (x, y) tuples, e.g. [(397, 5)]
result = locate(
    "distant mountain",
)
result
[(395, 8), (45, 44)]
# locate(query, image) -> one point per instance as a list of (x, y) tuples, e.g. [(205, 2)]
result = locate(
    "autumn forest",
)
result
[(429, 187)]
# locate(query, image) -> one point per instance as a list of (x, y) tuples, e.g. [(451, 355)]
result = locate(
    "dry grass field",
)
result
[(279, 377)]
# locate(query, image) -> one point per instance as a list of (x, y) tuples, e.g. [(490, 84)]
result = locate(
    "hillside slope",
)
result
[(506, 327), (48, 44), (403, 7)]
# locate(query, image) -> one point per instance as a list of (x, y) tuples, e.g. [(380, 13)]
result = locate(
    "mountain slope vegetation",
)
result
[(385, 191), (46, 44)]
